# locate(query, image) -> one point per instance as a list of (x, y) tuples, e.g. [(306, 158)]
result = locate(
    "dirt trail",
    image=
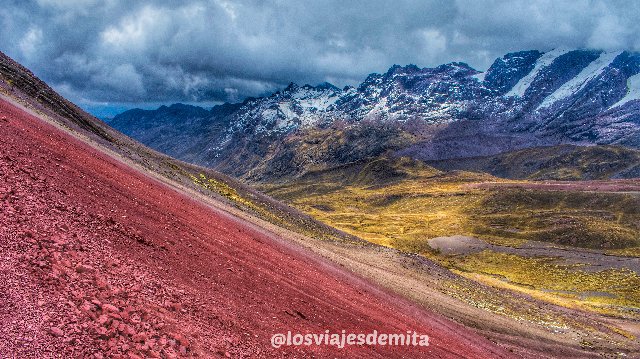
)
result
[(97, 258)]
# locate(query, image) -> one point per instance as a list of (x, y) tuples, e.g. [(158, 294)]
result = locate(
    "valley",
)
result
[(571, 245)]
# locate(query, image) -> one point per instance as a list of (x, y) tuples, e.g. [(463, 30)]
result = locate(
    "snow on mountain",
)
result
[(633, 91), (545, 60), (284, 111), (524, 99), (576, 84), (479, 76)]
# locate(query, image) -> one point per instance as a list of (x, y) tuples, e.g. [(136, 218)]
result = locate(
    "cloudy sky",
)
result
[(108, 55)]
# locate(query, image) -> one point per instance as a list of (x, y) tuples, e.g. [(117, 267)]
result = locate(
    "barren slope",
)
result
[(97, 257)]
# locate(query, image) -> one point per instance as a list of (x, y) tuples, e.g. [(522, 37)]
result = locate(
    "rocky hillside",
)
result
[(525, 99)]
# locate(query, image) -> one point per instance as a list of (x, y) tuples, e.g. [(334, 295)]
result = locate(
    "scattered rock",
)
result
[(140, 337), (101, 283), (102, 319), (182, 340), (56, 332), (300, 314), (110, 308), (83, 268)]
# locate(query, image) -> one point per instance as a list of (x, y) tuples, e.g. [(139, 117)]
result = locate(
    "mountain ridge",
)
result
[(525, 99)]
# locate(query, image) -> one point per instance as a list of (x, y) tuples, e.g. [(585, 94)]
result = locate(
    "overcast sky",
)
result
[(118, 54)]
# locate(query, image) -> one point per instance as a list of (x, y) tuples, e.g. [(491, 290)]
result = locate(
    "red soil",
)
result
[(99, 259)]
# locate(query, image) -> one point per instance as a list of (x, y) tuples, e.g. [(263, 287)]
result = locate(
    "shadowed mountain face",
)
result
[(525, 99), (562, 162)]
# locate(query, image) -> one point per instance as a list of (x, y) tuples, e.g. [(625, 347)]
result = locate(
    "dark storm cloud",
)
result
[(166, 51)]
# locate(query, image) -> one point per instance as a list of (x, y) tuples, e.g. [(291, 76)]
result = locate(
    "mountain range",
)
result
[(451, 112)]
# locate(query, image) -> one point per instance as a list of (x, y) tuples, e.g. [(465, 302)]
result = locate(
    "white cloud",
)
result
[(30, 43), (123, 76), (434, 42), (134, 32), (608, 34), (229, 8), (68, 3)]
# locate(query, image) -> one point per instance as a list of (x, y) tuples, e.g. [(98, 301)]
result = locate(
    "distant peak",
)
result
[(324, 86), (180, 106), (455, 66), (520, 54), (327, 86), (291, 87), (397, 69)]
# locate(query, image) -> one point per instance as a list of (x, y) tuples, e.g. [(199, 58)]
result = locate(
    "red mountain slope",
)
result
[(96, 258)]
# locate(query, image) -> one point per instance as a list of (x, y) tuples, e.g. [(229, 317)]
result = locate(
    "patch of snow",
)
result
[(633, 91), (269, 115), (288, 116), (445, 111), (574, 85), (380, 107), (479, 76), (545, 60), (286, 111), (350, 91), (320, 103)]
